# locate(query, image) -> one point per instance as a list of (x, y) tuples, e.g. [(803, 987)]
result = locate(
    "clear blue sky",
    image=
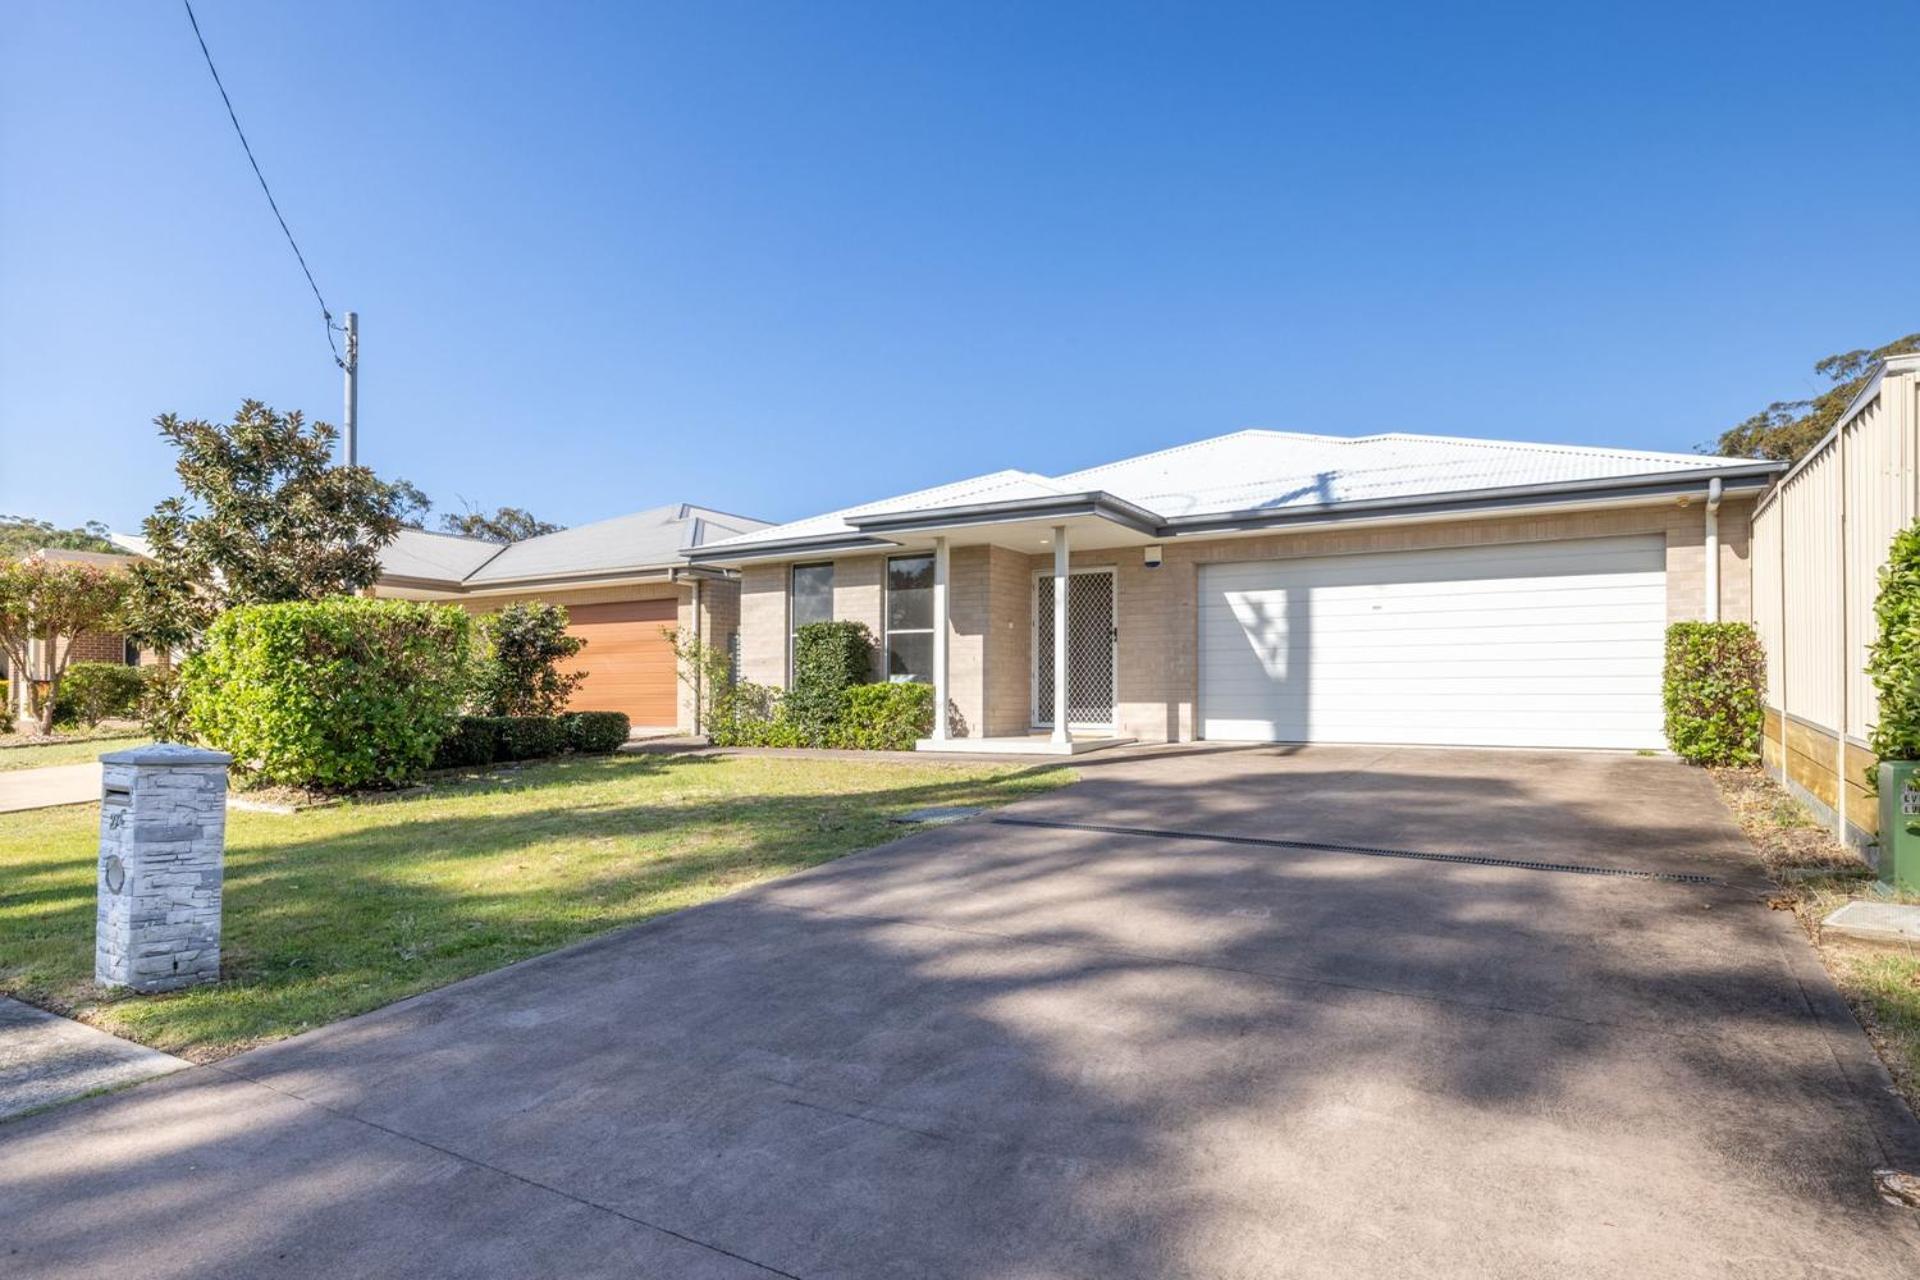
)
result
[(780, 258)]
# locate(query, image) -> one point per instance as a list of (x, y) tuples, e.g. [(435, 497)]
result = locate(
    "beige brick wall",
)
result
[(763, 624), (1009, 657), (858, 597), (970, 624), (1157, 669), (990, 654), (719, 621)]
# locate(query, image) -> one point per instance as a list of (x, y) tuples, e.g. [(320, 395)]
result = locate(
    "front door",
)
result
[(1091, 642)]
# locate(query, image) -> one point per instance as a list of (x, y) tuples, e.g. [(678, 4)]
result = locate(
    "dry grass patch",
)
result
[(1817, 875)]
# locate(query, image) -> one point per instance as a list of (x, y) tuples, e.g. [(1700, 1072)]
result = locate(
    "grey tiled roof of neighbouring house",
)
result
[(1275, 471), (645, 540)]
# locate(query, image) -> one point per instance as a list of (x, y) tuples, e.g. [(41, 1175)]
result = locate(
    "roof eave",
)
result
[(786, 549), (1096, 502), (573, 578)]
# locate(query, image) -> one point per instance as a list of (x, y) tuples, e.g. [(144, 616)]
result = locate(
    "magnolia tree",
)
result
[(266, 517), (44, 605)]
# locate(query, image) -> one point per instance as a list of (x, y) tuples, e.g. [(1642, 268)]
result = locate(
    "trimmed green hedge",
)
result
[(330, 694), (1712, 692), (472, 743), (94, 691), (884, 717), (866, 717), (478, 741), (596, 732), (1894, 660)]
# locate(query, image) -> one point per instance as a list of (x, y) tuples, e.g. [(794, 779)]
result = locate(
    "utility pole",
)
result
[(353, 385)]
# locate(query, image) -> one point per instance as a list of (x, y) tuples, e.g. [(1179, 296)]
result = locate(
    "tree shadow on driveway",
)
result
[(992, 1051)]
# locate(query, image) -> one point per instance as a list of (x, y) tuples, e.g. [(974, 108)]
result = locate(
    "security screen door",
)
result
[(1091, 644)]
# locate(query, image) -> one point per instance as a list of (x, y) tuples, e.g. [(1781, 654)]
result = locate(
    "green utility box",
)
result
[(1900, 823)]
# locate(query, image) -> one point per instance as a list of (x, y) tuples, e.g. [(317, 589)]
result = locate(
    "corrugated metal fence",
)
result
[(1820, 538)]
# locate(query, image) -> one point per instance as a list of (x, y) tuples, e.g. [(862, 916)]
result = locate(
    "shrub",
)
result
[(596, 732), (339, 693), (472, 743), (95, 691), (866, 717), (1712, 692), (828, 659), (752, 715), (1894, 660), (529, 737), (884, 717), (163, 706), (518, 673), (6, 706)]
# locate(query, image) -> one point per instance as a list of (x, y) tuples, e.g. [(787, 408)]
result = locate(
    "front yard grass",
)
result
[(1817, 875), (332, 912), (79, 751)]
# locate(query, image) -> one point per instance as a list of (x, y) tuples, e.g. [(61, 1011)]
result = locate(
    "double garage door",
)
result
[(1545, 644)]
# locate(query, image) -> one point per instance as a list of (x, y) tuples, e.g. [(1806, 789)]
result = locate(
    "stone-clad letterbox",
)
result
[(163, 830)]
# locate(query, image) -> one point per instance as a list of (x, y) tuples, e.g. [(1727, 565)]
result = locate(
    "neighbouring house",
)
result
[(625, 583), (1273, 586), (88, 646)]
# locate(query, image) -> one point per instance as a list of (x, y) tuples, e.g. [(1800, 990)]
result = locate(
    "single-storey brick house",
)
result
[(1275, 586), (88, 646), (624, 583)]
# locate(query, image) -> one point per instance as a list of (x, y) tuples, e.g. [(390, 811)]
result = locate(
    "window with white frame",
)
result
[(812, 600), (909, 640)]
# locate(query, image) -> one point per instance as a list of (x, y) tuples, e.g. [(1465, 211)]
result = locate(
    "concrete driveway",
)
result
[(1030, 1051)]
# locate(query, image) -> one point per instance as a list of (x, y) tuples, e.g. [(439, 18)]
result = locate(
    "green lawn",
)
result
[(335, 911), (82, 752)]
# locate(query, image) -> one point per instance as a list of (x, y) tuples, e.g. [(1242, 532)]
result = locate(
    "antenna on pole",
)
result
[(352, 365)]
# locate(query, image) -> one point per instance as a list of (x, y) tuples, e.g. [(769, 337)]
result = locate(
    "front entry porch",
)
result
[(1070, 659)]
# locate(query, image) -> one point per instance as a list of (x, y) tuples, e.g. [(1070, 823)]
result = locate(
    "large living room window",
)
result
[(909, 640), (812, 592)]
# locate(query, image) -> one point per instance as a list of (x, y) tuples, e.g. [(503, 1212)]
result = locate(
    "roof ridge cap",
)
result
[(1555, 446)]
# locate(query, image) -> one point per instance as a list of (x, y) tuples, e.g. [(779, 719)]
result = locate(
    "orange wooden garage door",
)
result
[(628, 660)]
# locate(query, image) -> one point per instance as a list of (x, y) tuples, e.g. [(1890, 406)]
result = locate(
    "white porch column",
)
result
[(941, 569), (1061, 733)]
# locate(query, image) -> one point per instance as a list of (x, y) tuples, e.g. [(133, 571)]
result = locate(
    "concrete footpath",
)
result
[(46, 1059), (44, 788)]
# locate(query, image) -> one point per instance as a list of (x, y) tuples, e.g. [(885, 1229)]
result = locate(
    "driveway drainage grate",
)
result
[(1416, 855)]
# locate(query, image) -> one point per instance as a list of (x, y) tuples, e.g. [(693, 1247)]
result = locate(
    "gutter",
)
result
[(1095, 502), (615, 576)]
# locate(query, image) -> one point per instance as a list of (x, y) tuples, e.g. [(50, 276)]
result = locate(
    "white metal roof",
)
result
[(1258, 470), (645, 540)]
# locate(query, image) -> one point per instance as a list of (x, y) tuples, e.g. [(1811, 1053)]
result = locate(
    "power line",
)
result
[(325, 314)]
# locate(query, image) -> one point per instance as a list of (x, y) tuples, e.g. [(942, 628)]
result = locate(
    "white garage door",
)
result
[(1539, 644)]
